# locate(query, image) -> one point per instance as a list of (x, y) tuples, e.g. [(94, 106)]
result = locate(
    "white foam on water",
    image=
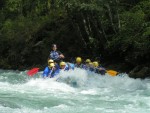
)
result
[(49, 85), (78, 75), (77, 91), (89, 92)]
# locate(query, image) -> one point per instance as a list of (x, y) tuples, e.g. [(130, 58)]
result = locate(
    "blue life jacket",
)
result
[(46, 72), (54, 73), (68, 67), (49, 72), (71, 66), (85, 67), (79, 66)]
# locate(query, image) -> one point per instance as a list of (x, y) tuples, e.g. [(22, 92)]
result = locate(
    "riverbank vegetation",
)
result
[(114, 31)]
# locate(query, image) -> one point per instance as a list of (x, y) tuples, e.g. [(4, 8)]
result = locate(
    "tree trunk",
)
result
[(118, 18), (110, 17)]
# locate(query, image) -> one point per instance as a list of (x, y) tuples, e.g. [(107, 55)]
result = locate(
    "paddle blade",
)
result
[(112, 72), (32, 71)]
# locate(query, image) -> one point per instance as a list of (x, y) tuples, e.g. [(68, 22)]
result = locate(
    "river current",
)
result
[(75, 91)]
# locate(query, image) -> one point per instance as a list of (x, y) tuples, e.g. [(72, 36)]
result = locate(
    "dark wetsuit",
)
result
[(54, 55)]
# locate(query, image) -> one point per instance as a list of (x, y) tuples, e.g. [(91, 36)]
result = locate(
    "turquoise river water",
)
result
[(75, 91)]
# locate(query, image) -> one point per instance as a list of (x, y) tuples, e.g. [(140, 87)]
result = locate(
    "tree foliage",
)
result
[(116, 29)]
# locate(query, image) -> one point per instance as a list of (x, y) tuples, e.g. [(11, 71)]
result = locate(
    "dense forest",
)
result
[(115, 32)]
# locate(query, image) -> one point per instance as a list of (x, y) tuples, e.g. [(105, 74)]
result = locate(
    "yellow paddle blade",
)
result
[(112, 72)]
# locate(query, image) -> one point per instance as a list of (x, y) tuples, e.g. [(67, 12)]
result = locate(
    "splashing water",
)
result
[(75, 91)]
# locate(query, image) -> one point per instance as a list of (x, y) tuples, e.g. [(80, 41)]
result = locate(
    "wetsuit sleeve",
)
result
[(59, 52), (45, 72), (51, 55), (71, 66)]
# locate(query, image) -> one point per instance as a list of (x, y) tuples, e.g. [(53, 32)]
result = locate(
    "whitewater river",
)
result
[(75, 91)]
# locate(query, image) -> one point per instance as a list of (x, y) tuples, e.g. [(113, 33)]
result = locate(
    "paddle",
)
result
[(32, 71), (51, 73), (112, 72)]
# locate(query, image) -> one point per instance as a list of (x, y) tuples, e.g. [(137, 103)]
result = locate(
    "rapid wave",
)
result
[(77, 91)]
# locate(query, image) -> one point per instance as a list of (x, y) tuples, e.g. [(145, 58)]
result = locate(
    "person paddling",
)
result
[(99, 69), (78, 63), (50, 71), (55, 55), (87, 64), (66, 66), (50, 61)]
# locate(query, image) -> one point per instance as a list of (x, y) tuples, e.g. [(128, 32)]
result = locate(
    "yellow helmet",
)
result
[(62, 64), (88, 61), (78, 59), (50, 61), (51, 65), (91, 64), (95, 64)]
